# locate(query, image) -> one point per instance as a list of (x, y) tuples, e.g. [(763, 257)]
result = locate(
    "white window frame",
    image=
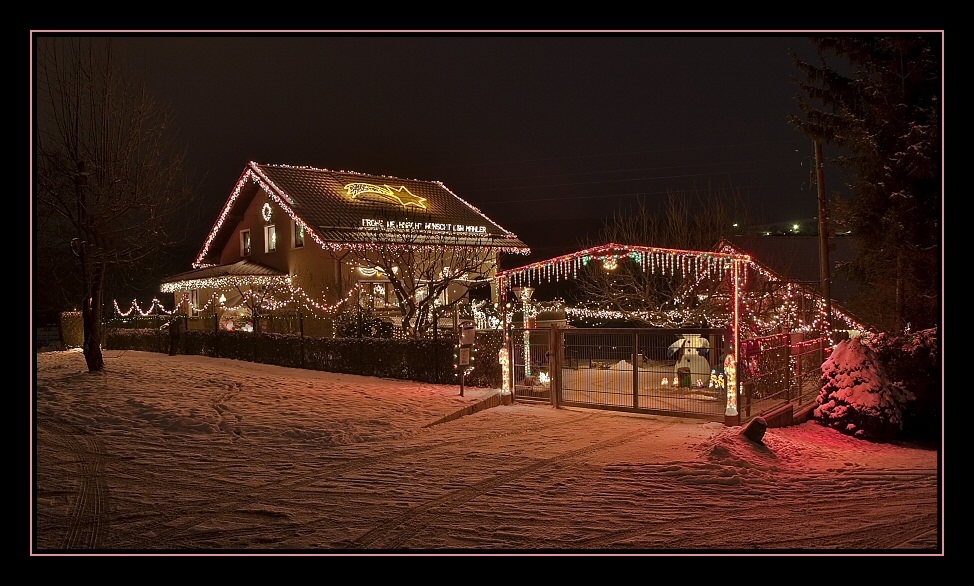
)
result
[(270, 238), (248, 249)]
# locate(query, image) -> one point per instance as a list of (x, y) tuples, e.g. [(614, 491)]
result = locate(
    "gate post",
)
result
[(635, 370), (556, 345)]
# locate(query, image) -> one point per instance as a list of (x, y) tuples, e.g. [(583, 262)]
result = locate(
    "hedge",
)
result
[(417, 360)]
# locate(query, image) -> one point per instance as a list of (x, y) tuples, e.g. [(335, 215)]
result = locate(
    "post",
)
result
[(301, 339), (468, 334), (554, 365), (731, 416), (823, 237), (635, 370)]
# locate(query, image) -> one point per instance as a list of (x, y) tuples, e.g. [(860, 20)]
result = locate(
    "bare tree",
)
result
[(421, 265), (109, 185), (696, 221)]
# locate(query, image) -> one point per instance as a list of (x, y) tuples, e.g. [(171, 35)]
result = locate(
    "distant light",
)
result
[(794, 227), (735, 225)]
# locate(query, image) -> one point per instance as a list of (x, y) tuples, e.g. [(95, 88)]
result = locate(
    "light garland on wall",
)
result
[(297, 297)]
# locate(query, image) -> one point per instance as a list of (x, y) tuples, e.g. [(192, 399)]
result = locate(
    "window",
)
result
[(270, 238), (298, 231), (245, 243), (194, 301), (377, 295)]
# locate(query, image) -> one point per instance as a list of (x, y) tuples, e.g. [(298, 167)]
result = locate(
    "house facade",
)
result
[(303, 239)]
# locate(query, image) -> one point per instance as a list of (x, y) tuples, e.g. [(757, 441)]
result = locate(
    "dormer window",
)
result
[(245, 243)]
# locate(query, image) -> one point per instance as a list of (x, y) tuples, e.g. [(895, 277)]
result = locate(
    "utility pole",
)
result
[(823, 234)]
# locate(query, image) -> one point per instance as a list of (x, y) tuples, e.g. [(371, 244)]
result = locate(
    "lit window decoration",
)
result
[(368, 271), (266, 211), (665, 382)]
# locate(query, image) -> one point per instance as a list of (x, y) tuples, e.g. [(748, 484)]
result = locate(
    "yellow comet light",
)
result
[(399, 195)]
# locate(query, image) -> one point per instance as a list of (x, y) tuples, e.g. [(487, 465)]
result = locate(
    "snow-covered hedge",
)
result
[(858, 396)]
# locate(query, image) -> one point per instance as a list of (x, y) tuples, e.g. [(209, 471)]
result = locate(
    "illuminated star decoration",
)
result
[(399, 195)]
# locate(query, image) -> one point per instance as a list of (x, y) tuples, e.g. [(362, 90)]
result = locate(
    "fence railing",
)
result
[(779, 369), (667, 371)]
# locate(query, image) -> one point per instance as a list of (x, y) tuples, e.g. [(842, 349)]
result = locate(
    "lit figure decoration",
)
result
[(610, 263), (691, 351), (730, 379)]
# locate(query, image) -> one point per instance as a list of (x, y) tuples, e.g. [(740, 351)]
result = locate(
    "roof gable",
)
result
[(344, 208)]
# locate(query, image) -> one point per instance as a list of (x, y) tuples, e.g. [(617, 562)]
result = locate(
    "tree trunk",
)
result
[(91, 316)]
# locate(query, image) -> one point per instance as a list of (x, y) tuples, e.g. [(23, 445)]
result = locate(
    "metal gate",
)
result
[(530, 351), (676, 372)]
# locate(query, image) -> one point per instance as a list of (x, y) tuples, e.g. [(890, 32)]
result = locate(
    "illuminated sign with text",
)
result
[(370, 224)]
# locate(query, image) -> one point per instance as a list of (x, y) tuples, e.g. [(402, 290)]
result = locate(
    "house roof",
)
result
[(341, 208), (240, 269)]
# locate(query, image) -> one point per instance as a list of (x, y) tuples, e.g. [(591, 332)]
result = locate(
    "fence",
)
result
[(662, 371), (780, 369)]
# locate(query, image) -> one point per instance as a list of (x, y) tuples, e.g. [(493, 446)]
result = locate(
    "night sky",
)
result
[(547, 133)]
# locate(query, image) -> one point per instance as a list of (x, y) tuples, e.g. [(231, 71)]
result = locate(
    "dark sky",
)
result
[(539, 131)]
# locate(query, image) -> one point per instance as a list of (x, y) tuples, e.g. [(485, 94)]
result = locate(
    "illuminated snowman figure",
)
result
[(693, 356)]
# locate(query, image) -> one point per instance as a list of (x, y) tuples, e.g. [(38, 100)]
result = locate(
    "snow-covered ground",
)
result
[(177, 454)]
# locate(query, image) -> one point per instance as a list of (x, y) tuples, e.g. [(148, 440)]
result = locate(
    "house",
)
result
[(310, 240)]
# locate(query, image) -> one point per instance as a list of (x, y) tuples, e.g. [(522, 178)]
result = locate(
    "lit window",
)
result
[(245, 243), (298, 231), (270, 238), (377, 295), (194, 301)]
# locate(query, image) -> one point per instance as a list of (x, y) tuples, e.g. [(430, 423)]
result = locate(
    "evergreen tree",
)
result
[(878, 100)]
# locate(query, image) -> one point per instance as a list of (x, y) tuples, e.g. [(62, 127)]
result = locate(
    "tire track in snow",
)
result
[(392, 534), (176, 536), (86, 523)]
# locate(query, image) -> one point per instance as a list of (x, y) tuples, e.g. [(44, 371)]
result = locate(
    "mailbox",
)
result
[(468, 333)]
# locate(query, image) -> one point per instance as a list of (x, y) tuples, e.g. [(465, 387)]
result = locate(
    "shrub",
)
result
[(858, 397), (913, 359)]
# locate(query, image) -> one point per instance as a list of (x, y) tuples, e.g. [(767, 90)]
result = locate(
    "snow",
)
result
[(189, 454)]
